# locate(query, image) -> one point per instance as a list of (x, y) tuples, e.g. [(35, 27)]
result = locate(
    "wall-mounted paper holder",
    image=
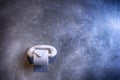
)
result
[(40, 56)]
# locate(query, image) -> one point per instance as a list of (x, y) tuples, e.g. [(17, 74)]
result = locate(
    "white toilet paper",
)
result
[(40, 57)]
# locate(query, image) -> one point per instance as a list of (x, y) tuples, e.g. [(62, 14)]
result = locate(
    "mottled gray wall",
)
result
[(86, 34)]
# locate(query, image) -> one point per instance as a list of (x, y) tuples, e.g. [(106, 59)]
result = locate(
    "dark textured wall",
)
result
[(86, 34)]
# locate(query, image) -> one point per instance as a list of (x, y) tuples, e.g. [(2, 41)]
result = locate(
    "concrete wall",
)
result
[(86, 34)]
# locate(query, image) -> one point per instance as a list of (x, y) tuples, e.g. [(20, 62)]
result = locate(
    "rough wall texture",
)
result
[(86, 34)]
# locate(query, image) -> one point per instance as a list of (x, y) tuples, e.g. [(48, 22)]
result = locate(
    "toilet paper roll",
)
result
[(40, 57)]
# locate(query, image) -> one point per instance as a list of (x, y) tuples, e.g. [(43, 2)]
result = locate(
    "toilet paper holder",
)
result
[(39, 54)]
